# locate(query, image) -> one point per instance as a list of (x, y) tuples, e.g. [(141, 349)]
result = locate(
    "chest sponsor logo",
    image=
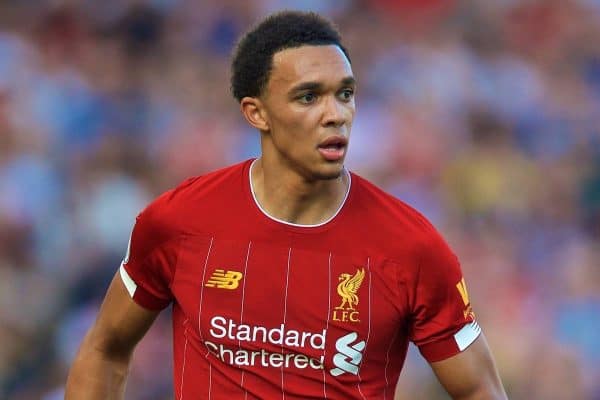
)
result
[(349, 355), (348, 291), (254, 340), (462, 289), (224, 280)]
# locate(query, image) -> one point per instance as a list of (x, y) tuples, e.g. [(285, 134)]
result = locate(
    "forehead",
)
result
[(324, 64)]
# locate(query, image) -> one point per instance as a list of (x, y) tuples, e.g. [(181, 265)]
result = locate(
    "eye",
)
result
[(347, 94), (308, 98)]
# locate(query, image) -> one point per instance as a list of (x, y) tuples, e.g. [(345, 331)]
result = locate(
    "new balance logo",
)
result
[(349, 355), (224, 280)]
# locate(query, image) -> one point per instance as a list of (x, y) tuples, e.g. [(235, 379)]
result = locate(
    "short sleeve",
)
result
[(148, 267), (443, 323)]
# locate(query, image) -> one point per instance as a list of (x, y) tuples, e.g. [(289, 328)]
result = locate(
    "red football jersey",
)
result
[(267, 309)]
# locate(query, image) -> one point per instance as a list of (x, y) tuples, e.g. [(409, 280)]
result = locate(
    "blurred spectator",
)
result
[(483, 115)]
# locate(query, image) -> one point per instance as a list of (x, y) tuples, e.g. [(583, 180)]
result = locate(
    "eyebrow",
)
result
[(348, 81)]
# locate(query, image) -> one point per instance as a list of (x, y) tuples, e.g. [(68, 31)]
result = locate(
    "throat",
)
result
[(296, 202)]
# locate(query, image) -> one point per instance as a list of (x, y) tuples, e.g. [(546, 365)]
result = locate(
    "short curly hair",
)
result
[(253, 58)]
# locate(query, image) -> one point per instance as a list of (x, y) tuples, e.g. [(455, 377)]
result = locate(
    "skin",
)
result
[(100, 368), (309, 97), (471, 374)]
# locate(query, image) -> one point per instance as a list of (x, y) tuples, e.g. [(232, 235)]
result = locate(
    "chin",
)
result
[(330, 173), (329, 177)]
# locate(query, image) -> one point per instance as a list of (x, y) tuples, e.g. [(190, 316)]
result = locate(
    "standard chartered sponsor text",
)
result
[(222, 328)]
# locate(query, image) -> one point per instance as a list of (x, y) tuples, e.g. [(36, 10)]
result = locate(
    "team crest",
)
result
[(348, 291)]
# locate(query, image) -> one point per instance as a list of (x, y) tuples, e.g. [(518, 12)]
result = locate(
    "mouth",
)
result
[(333, 148)]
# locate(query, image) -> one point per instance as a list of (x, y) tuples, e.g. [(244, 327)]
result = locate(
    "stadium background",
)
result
[(485, 115)]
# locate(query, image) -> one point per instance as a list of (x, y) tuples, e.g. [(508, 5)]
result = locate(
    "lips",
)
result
[(333, 148), (334, 142)]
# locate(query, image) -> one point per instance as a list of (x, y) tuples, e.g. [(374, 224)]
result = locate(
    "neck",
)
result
[(287, 196)]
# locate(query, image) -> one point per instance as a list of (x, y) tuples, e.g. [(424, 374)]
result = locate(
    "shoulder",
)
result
[(167, 215), (392, 216), (396, 230), (425, 261)]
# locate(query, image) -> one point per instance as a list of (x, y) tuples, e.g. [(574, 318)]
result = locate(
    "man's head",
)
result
[(253, 58), (294, 82)]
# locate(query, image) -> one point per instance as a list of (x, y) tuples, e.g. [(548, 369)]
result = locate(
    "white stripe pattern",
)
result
[(387, 363), (200, 315), (368, 330), (242, 312), (209, 381), (327, 323), (202, 293), (287, 276), (184, 357)]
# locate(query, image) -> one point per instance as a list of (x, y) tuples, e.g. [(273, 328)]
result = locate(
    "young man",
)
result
[(290, 277)]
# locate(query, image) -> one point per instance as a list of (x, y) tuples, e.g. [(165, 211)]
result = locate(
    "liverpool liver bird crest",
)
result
[(348, 287)]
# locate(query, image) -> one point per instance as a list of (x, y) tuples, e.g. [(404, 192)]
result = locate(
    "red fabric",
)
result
[(283, 323)]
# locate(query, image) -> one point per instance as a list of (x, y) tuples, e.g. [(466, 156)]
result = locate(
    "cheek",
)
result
[(297, 124), (351, 108)]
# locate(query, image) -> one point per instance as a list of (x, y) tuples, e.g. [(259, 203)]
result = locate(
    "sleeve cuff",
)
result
[(445, 348), (139, 294)]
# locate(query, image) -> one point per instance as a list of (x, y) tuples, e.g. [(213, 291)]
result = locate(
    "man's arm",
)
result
[(102, 362), (471, 374)]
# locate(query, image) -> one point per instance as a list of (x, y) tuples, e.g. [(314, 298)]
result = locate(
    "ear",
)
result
[(254, 112)]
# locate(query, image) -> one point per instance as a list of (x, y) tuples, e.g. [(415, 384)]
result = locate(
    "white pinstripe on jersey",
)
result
[(368, 331)]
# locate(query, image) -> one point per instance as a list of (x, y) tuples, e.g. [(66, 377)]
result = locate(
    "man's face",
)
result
[(309, 103)]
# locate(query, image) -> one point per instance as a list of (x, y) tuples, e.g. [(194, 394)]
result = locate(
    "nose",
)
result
[(335, 113)]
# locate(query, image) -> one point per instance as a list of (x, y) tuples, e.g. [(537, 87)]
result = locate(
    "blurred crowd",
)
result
[(484, 115)]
